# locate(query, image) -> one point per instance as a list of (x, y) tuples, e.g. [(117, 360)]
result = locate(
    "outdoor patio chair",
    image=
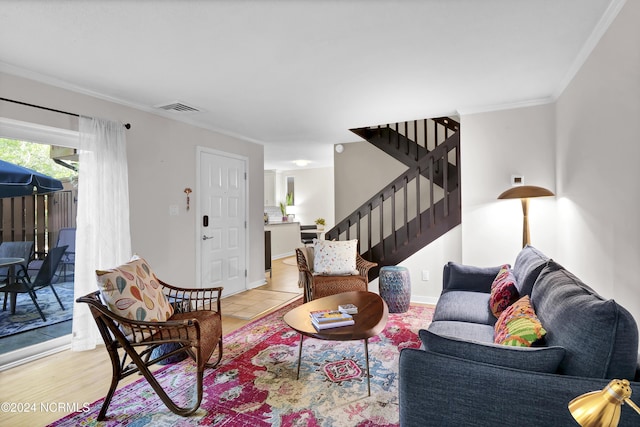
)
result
[(22, 250), (183, 320), (66, 237), (44, 278), (321, 285)]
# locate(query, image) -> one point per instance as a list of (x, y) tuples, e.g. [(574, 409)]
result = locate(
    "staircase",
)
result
[(417, 207)]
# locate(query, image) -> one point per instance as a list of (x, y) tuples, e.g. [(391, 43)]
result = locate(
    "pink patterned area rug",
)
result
[(255, 384)]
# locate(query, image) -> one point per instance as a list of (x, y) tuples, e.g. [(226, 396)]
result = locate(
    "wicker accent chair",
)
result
[(320, 285), (195, 327)]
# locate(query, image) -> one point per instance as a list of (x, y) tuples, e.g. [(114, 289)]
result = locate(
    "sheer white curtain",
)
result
[(103, 238)]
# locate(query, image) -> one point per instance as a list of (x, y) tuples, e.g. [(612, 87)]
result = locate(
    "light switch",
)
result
[(425, 275)]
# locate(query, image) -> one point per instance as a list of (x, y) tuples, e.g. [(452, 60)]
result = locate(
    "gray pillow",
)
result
[(536, 359), (468, 278)]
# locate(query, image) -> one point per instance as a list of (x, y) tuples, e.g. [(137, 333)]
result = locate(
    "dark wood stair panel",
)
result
[(407, 152), (396, 145), (402, 243)]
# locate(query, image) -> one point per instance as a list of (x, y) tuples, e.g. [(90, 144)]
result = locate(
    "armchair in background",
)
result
[(331, 267)]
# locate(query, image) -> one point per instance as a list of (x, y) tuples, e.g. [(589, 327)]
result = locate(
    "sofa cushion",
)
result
[(463, 330), (529, 263), (518, 325), (467, 277), (465, 307), (133, 291), (503, 291), (600, 336), (538, 359), (334, 257)]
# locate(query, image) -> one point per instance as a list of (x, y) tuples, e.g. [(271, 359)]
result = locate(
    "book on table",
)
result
[(325, 316), (334, 324), (324, 319)]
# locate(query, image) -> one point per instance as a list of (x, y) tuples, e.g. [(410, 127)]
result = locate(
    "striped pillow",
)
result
[(518, 325)]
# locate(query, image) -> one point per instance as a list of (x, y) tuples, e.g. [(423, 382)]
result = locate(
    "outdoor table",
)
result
[(11, 263)]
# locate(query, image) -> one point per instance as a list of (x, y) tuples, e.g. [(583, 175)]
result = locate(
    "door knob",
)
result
[(206, 237)]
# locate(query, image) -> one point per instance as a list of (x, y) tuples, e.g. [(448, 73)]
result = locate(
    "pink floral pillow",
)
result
[(503, 291), (133, 291)]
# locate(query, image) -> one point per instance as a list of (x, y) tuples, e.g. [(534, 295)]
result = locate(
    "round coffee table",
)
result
[(369, 322)]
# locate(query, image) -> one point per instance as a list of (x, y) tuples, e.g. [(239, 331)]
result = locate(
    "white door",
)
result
[(222, 222)]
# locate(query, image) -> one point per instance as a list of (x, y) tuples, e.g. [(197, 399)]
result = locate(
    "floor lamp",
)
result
[(524, 192)]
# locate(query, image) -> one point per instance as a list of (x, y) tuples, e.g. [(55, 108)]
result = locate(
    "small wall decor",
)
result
[(187, 192)]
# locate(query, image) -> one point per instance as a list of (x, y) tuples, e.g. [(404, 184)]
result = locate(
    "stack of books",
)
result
[(325, 319)]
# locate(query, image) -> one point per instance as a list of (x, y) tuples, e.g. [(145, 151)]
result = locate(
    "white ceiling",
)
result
[(295, 75)]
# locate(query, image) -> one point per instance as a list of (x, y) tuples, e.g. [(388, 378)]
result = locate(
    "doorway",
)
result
[(25, 336), (222, 224)]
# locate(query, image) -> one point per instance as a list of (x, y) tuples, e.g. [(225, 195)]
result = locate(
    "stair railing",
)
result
[(404, 215)]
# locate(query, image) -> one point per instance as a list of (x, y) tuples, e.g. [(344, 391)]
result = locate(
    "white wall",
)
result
[(361, 170), (495, 146), (162, 162), (598, 151), (314, 197)]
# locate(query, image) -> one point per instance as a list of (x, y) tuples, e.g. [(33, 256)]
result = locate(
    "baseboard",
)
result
[(421, 299), (37, 351), (257, 283), (284, 255)]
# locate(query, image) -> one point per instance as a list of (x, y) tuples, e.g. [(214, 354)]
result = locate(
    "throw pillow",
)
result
[(334, 257), (467, 277), (133, 291), (518, 325), (539, 359), (503, 291)]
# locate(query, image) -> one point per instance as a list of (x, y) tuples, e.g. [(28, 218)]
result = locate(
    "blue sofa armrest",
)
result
[(440, 390), (460, 277)]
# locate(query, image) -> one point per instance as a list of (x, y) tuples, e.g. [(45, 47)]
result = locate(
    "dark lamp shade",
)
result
[(524, 192)]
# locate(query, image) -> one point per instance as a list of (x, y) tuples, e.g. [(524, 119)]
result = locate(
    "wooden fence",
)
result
[(37, 218)]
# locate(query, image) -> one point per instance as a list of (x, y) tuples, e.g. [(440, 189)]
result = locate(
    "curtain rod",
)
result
[(126, 125)]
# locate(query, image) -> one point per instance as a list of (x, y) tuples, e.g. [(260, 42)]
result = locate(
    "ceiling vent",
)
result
[(178, 107)]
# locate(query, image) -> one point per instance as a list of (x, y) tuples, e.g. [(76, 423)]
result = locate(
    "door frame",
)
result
[(198, 204)]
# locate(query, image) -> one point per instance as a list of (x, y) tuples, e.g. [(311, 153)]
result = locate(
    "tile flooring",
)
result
[(249, 304)]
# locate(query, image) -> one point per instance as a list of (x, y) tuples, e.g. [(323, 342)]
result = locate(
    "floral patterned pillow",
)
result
[(334, 257), (133, 291), (518, 325), (503, 291)]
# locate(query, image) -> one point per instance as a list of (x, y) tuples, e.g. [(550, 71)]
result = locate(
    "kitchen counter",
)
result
[(285, 238), (282, 223)]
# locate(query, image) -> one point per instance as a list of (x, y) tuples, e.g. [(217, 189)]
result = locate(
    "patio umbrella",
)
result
[(16, 181)]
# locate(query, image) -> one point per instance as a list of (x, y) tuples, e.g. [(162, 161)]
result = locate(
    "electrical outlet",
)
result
[(425, 275), (174, 210)]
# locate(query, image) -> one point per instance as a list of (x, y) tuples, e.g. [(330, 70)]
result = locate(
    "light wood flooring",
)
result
[(69, 378)]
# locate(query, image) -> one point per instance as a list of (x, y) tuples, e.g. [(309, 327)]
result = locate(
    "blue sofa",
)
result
[(461, 378)]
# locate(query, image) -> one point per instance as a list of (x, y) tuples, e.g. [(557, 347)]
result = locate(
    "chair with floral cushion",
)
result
[(332, 267), (136, 313)]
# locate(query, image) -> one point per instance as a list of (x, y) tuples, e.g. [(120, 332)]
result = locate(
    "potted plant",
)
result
[(283, 209), (320, 223)]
